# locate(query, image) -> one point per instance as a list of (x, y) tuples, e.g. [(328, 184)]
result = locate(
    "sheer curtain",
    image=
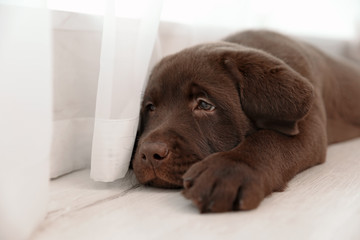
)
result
[(127, 45), (25, 122), (70, 93), (100, 65)]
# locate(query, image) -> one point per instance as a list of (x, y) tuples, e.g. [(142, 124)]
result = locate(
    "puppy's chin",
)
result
[(157, 182), (156, 178)]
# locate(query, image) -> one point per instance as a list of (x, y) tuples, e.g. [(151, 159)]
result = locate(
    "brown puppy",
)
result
[(234, 121)]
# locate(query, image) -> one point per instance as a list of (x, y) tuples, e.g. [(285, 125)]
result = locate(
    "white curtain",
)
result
[(100, 65), (76, 49), (70, 88), (127, 45), (25, 119)]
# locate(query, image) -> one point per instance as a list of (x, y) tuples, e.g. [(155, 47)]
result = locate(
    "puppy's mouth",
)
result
[(165, 176), (158, 182), (163, 169), (161, 177), (157, 178)]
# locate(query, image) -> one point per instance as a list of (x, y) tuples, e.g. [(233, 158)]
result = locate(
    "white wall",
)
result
[(321, 18)]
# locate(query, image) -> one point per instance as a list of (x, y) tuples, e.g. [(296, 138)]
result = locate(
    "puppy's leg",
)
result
[(264, 162)]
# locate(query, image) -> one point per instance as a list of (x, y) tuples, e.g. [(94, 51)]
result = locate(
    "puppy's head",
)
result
[(207, 99)]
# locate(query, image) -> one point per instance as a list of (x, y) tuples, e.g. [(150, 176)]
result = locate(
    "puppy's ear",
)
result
[(272, 94)]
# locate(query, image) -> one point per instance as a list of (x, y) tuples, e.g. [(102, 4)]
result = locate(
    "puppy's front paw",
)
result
[(218, 184)]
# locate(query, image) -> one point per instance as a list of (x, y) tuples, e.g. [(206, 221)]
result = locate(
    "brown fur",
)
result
[(233, 121)]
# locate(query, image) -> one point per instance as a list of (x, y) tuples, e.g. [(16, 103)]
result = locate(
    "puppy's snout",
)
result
[(154, 152)]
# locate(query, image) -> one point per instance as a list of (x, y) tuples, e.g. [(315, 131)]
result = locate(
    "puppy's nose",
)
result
[(154, 152)]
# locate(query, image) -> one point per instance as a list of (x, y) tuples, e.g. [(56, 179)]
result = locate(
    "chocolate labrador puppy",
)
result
[(233, 121)]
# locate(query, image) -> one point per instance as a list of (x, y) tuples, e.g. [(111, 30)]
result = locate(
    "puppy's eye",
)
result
[(150, 107), (203, 105)]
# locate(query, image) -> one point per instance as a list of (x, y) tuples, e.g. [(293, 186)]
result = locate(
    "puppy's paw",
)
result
[(218, 184)]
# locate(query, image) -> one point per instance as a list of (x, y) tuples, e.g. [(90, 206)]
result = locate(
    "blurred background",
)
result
[(72, 73)]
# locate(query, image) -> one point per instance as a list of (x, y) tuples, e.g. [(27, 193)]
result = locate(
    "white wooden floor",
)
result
[(320, 203)]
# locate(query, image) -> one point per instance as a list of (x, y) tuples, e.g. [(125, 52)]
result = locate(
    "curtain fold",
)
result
[(127, 45), (76, 57)]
